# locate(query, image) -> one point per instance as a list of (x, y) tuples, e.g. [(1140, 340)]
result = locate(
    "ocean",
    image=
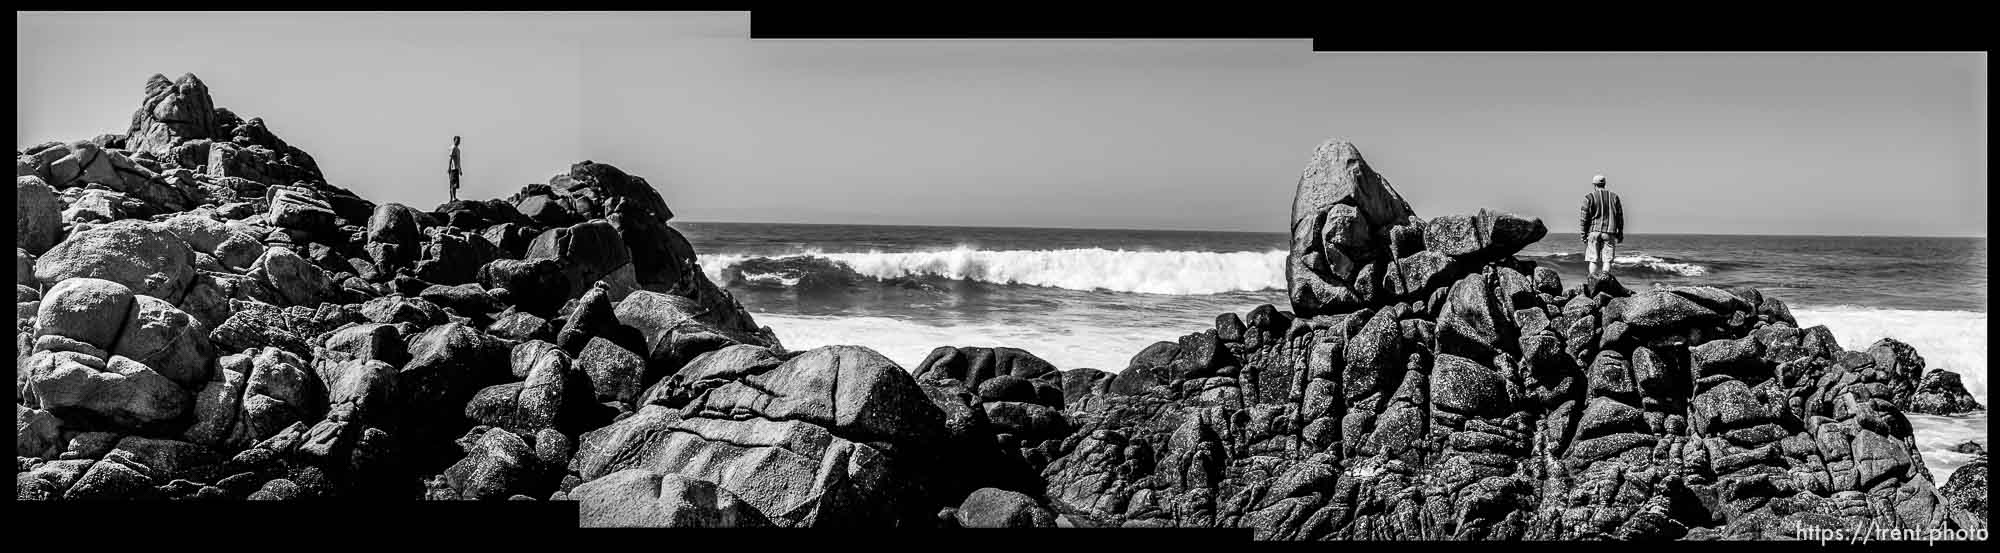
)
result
[(1093, 298)]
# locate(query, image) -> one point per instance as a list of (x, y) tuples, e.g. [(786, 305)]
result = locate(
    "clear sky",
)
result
[(1181, 134)]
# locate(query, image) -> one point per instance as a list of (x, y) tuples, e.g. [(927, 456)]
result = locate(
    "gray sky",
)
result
[(1068, 133)]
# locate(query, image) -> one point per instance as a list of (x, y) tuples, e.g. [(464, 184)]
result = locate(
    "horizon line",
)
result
[(1802, 235)]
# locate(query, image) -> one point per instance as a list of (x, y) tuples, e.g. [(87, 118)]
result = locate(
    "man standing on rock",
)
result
[(1603, 226), (453, 169)]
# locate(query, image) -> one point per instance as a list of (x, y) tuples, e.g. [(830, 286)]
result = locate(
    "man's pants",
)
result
[(1598, 249)]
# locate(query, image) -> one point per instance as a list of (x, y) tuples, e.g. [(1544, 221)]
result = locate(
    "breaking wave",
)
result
[(1145, 272), (1629, 263)]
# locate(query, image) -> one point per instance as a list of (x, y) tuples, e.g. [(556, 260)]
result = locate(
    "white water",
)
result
[(907, 342), (1145, 272), (1949, 340), (1643, 261)]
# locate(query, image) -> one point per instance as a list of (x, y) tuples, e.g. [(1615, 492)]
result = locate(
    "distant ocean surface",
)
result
[(1093, 298)]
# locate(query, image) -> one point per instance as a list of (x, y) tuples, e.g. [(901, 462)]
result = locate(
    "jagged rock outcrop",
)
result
[(1481, 400), (173, 112), (1966, 491), (201, 315), (1941, 393)]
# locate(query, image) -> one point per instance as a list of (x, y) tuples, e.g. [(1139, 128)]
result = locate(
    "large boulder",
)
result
[(1341, 216), (37, 215), (1966, 490), (1674, 307), (173, 112), (453, 258), (996, 508), (993, 372), (297, 280), (498, 465), (1485, 236), (156, 334), (536, 286), (837, 436), (652, 499), (677, 329), (300, 209), (90, 310), (615, 373), (662, 259), (1942, 393), (139, 255), (121, 390), (587, 252)]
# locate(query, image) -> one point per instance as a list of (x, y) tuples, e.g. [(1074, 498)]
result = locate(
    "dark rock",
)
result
[(449, 258), (401, 309), (498, 465), (1966, 491), (1007, 388), (996, 508), (1418, 273), (466, 300), (277, 490), (1464, 386), (1229, 327), (1472, 324), (1027, 421), (256, 325), (111, 480), (616, 374), (587, 252), (1078, 384), (521, 326), (1942, 393), (1027, 377), (1547, 281), (534, 285)]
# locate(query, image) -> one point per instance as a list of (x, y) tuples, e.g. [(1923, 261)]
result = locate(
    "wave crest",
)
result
[(1639, 263), (1145, 272)]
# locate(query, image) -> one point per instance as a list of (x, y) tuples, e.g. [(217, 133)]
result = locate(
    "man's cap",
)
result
[(1597, 179)]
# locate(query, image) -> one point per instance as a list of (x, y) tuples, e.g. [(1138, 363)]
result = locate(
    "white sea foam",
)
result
[(771, 278), (1949, 340), (1146, 272), (907, 342), (1936, 436), (1655, 264)]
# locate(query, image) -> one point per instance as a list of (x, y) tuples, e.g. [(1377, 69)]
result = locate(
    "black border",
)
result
[(1332, 28)]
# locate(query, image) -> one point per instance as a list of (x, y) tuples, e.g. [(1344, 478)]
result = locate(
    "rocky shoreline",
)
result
[(201, 316)]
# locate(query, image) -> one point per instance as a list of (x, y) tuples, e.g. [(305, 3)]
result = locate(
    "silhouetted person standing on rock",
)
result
[(453, 169), (1603, 227)]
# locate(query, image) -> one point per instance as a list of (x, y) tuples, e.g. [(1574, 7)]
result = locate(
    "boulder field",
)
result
[(200, 315)]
